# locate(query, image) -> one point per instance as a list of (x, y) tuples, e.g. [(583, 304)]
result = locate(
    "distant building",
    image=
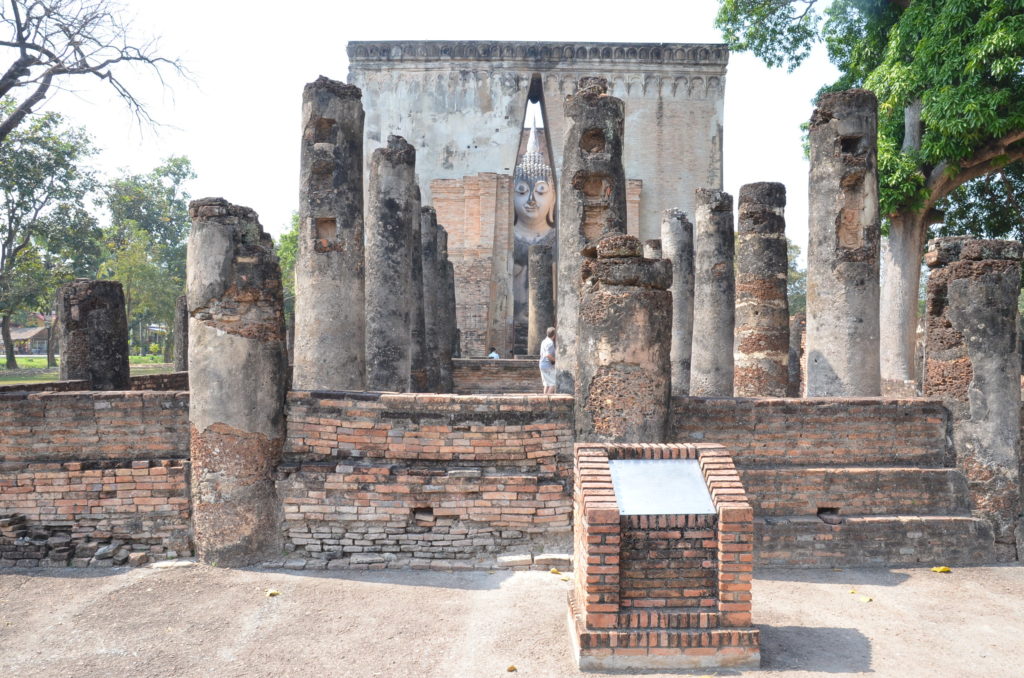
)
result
[(28, 340)]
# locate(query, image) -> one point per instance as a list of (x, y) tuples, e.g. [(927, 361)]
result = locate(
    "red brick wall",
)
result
[(86, 469), (166, 381), (424, 480), (664, 562), (496, 376), (816, 431)]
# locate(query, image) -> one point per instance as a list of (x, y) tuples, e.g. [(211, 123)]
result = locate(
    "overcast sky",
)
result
[(239, 118)]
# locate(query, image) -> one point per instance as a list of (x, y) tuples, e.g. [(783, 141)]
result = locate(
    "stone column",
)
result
[(797, 328), (652, 249), (94, 334), (625, 332), (447, 337), (389, 250), (714, 296), (418, 372), (432, 287), (972, 361), (591, 203), (762, 308), (329, 343), (677, 247), (542, 295), (181, 334), (237, 377), (842, 255)]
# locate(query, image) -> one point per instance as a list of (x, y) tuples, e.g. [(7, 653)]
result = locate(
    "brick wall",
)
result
[(496, 376), (866, 482), (377, 480), (817, 431), (166, 381), (663, 560), (93, 478), (69, 385), (477, 213)]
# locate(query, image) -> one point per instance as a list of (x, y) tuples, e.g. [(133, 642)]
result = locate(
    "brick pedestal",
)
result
[(661, 591)]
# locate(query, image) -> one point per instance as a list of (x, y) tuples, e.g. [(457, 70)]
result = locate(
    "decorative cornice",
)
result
[(536, 54)]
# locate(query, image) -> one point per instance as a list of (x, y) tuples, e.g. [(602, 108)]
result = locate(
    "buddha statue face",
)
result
[(534, 202), (534, 193)]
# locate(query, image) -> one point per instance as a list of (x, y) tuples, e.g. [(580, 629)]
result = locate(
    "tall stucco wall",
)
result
[(461, 104)]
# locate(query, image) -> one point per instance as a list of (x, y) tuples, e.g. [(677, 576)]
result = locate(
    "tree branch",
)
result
[(990, 158), (25, 107)]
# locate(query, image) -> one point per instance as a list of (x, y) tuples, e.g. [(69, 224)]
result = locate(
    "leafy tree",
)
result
[(949, 76), (49, 42), (46, 234), (796, 280), (146, 242), (287, 250)]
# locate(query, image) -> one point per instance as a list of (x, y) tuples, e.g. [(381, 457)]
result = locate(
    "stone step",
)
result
[(795, 491), (876, 541)]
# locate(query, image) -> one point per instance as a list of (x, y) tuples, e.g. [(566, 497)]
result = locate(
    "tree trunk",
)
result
[(51, 345), (901, 277), (168, 345), (5, 328)]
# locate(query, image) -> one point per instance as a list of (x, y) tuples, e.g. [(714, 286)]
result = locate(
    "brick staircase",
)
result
[(838, 483)]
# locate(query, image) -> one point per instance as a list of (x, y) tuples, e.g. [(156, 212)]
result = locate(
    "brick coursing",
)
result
[(616, 602), (496, 376), (866, 481), (89, 473), (380, 480)]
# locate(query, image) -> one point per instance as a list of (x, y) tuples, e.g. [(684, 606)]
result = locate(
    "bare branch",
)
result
[(59, 39)]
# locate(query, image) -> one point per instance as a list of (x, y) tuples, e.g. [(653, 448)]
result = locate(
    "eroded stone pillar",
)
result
[(393, 209), (181, 334), (237, 376), (448, 339), (797, 331), (677, 247), (714, 296), (418, 373), (762, 308), (432, 295), (542, 295), (94, 334), (842, 255), (972, 361), (625, 335), (329, 342), (591, 204)]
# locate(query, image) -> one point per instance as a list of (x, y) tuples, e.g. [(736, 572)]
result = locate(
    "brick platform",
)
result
[(481, 376), (661, 591), (374, 480)]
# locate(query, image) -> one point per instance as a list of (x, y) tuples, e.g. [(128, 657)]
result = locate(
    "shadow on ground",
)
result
[(823, 650)]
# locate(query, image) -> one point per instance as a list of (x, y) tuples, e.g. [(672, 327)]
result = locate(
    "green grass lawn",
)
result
[(32, 370)]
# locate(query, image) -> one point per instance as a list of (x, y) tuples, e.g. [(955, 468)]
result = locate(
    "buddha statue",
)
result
[(534, 200)]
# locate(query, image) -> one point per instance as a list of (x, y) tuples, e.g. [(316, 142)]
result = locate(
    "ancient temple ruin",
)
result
[(386, 449)]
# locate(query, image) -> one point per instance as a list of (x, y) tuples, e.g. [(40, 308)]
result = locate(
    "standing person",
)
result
[(547, 361)]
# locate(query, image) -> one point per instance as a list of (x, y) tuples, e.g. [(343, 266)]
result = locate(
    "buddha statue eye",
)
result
[(522, 188), (540, 187)]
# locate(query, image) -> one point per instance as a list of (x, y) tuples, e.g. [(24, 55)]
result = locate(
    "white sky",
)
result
[(239, 121)]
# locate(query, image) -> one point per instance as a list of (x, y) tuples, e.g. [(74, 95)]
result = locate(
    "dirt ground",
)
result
[(203, 621)]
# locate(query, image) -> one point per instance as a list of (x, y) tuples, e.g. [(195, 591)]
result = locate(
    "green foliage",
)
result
[(796, 280), (146, 240), (287, 250), (779, 33), (990, 207), (963, 60), (46, 234)]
